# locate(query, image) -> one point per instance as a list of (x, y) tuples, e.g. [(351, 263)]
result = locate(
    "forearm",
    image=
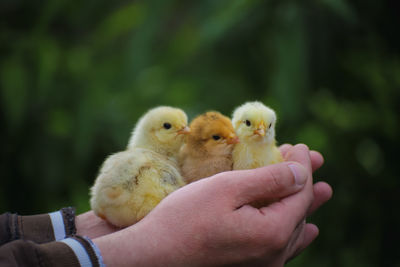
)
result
[(140, 245)]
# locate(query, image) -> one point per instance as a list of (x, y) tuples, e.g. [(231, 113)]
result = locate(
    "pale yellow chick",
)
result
[(208, 147), (132, 182), (254, 124)]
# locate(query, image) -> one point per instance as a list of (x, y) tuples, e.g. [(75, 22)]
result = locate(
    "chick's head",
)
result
[(254, 122), (161, 129), (212, 133)]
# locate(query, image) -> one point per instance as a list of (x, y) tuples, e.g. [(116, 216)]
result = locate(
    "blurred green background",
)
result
[(75, 77)]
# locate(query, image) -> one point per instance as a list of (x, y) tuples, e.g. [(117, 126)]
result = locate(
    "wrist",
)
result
[(139, 245), (90, 225)]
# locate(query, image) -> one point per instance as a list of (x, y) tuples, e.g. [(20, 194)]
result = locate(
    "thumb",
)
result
[(301, 154), (274, 181)]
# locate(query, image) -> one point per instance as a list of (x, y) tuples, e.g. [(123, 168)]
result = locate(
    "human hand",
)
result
[(88, 224), (322, 190), (209, 222)]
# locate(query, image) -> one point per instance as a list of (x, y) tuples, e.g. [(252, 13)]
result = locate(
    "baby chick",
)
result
[(208, 147), (132, 182), (254, 123)]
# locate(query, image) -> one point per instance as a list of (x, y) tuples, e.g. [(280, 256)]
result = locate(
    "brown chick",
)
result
[(208, 147)]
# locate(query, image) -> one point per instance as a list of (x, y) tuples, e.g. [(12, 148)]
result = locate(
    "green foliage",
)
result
[(74, 78)]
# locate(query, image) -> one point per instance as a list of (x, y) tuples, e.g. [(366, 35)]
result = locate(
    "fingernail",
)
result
[(299, 175)]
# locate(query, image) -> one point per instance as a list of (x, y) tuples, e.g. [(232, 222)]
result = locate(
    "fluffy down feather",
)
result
[(132, 182), (254, 124), (208, 148)]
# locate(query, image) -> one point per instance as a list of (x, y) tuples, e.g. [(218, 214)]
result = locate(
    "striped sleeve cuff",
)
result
[(85, 251), (58, 225), (63, 222)]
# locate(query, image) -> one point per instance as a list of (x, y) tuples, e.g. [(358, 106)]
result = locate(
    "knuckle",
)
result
[(229, 185), (310, 198), (277, 236), (274, 181), (302, 146), (279, 241), (220, 179), (259, 242)]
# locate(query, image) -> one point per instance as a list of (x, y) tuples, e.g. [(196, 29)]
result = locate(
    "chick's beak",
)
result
[(233, 140), (260, 130), (184, 130)]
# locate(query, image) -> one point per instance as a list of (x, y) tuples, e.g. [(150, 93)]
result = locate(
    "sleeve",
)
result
[(40, 228), (70, 252)]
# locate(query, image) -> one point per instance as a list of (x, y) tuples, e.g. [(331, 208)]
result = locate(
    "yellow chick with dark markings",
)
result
[(254, 124), (132, 182), (208, 147)]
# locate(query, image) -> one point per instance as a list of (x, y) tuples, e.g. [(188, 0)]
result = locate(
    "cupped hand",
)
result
[(210, 222)]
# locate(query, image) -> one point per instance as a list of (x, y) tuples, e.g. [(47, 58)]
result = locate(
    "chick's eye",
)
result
[(248, 123), (167, 125), (269, 127), (216, 137)]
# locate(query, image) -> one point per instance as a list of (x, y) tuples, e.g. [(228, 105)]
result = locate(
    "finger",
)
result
[(284, 149), (306, 237), (301, 154), (316, 160), (274, 181), (293, 209), (297, 233), (322, 193)]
